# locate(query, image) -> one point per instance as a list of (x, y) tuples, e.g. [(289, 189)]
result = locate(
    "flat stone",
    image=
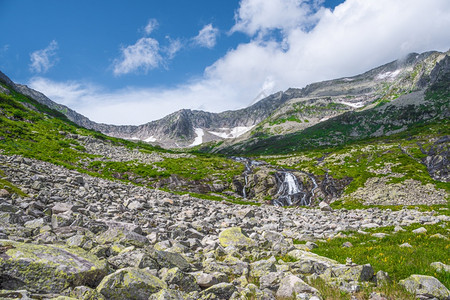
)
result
[(183, 281), (347, 245), (379, 235), (171, 260), (125, 237)]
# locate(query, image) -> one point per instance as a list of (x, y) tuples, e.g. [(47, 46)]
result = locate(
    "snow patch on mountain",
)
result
[(229, 133), (354, 105), (392, 74), (199, 137)]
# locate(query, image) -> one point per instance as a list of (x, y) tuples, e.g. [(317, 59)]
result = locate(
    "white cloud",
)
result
[(255, 16), (174, 46), (42, 60), (317, 44), (151, 25), (143, 55), (207, 36)]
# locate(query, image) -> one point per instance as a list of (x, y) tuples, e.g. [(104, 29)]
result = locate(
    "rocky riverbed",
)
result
[(84, 237)]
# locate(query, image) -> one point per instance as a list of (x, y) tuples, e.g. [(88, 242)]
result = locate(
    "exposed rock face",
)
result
[(437, 159)]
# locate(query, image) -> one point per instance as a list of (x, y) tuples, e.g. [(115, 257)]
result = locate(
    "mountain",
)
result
[(380, 102), (180, 129), (281, 113)]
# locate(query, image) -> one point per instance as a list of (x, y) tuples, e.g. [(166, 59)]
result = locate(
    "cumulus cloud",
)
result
[(260, 16), (207, 36), (151, 25), (42, 60), (316, 44), (146, 54), (143, 55)]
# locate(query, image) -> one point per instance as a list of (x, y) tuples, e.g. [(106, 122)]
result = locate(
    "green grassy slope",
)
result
[(33, 130)]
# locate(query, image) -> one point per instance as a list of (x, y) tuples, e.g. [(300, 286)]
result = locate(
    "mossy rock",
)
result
[(426, 286), (218, 291), (130, 283), (234, 237), (47, 268), (184, 281)]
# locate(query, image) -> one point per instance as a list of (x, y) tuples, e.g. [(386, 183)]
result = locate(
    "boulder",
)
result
[(183, 281), (263, 267), (218, 291), (323, 206), (171, 260), (234, 237), (130, 283), (47, 268), (133, 258), (425, 287), (167, 294), (292, 287)]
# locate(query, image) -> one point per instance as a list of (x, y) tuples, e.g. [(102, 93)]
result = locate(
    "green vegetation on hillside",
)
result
[(35, 131)]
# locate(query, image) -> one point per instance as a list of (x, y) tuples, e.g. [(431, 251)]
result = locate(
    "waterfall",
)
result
[(288, 188), (291, 192)]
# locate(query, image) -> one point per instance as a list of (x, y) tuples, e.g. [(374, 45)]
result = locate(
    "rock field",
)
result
[(76, 236)]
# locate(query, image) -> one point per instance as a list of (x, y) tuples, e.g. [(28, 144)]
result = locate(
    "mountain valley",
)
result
[(338, 190)]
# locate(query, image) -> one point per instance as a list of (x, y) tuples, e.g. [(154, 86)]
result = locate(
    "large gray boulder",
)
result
[(133, 258), (218, 291), (182, 281), (130, 283), (425, 287), (292, 287), (47, 268), (234, 237)]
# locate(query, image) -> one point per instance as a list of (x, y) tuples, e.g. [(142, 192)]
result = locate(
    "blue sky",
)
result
[(130, 62)]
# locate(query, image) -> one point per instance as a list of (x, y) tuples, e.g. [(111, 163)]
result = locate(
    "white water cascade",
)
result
[(291, 192)]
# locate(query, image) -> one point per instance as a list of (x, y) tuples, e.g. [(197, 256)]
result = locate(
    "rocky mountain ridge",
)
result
[(283, 112)]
